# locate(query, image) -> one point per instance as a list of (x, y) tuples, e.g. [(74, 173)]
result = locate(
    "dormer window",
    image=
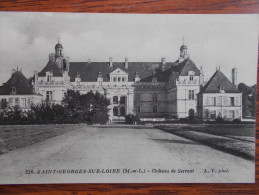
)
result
[(49, 78), (154, 80), (191, 77), (221, 89), (118, 75), (13, 90)]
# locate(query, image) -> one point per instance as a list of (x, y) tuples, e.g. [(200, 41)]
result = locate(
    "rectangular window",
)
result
[(214, 101), (213, 114), (137, 96), (191, 94), (23, 102), (137, 109), (115, 99), (231, 114), (207, 113), (154, 97), (123, 100), (49, 78), (232, 101), (154, 109), (49, 95), (16, 102), (10, 102), (3, 103)]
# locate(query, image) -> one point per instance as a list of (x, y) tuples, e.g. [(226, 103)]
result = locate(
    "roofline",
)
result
[(217, 92), (22, 95)]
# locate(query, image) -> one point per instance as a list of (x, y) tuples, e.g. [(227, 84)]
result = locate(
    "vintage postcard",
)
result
[(127, 98)]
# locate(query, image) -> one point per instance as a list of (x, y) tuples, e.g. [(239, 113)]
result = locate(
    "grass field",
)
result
[(238, 131), (16, 136), (237, 139)]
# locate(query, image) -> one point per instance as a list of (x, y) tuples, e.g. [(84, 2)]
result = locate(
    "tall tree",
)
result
[(248, 99), (90, 107)]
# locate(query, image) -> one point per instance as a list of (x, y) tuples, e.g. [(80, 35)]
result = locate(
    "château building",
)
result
[(149, 89)]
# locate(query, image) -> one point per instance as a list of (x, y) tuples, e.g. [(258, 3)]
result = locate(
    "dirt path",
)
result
[(74, 156)]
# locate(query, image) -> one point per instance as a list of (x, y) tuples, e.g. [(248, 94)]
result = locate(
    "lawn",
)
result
[(226, 129), (237, 139), (16, 136)]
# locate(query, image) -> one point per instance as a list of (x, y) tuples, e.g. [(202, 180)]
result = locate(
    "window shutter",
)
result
[(218, 101), (225, 113), (237, 101)]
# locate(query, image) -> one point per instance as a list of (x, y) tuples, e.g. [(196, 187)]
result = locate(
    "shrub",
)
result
[(131, 119)]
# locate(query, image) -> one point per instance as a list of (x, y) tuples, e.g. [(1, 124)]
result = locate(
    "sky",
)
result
[(228, 41)]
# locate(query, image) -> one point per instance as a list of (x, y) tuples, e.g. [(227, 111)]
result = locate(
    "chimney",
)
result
[(163, 64), (234, 76), (36, 87), (201, 76), (126, 63), (110, 59), (67, 63)]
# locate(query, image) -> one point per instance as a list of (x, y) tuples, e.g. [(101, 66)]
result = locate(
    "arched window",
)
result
[(114, 79), (123, 79), (115, 111), (119, 79), (115, 99), (122, 111)]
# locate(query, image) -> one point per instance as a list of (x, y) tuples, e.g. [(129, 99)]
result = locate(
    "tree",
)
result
[(90, 107), (248, 99)]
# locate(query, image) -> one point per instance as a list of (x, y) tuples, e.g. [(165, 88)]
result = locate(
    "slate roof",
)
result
[(20, 82), (184, 67), (219, 79), (89, 71), (52, 66)]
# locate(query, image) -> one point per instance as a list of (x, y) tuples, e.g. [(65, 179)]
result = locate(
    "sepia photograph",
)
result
[(127, 98)]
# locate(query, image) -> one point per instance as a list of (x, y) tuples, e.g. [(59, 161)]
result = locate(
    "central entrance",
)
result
[(119, 105), (119, 111)]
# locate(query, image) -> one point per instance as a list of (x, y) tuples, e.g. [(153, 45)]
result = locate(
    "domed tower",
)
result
[(183, 51), (58, 49), (62, 62)]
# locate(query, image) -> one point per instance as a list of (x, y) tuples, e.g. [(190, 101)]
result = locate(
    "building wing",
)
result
[(18, 84), (218, 82)]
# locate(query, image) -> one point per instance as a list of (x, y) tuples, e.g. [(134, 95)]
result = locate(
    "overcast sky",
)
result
[(26, 39)]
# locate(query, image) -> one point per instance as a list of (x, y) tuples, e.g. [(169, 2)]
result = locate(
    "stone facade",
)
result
[(17, 91), (220, 98), (149, 89)]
